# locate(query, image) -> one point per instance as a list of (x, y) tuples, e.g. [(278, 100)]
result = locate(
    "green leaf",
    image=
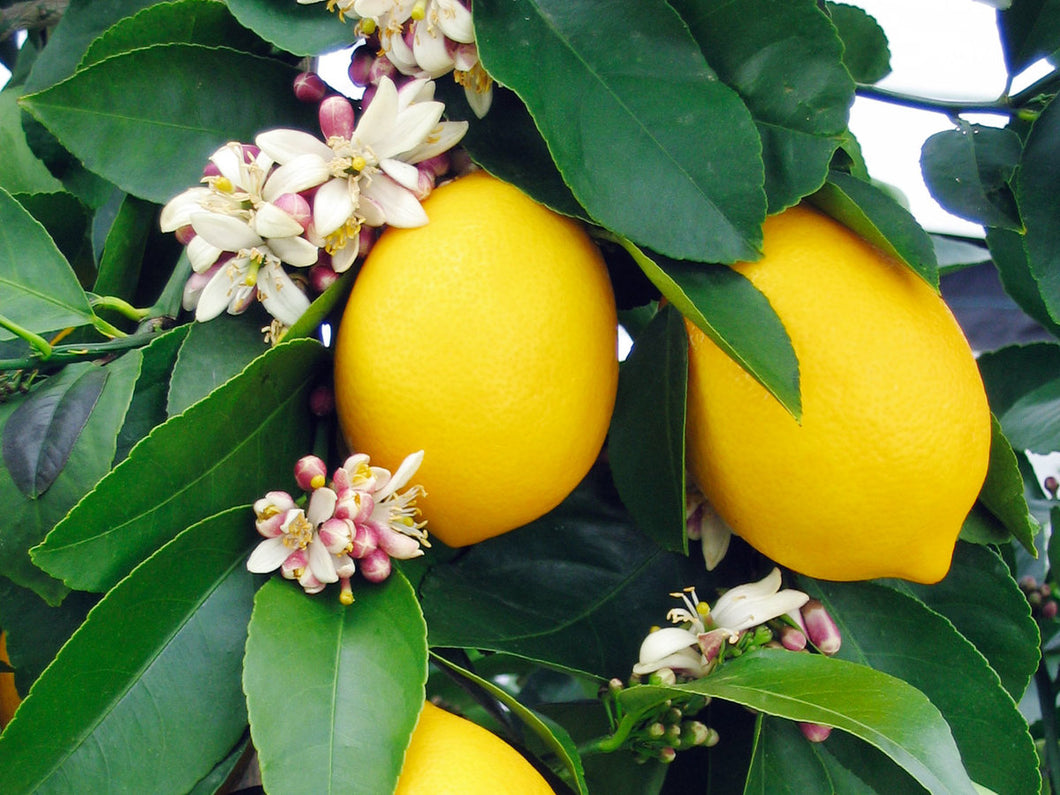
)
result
[(882, 710), (800, 113), (735, 315), (1039, 173), (131, 113), (621, 141), (332, 298), (27, 521), (303, 29), (866, 53), (45, 297), (598, 586), (984, 603), (123, 253), (1023, 387), (157, 679), (1029, 29), (20, 170), (646, 442), (1009, 252), (1002, 491), (67, 221), (42, 431), (968, 171), (229, 449), (878, 218), (900, 636), (185, 21), (553, 736), (359, 687), (211, 354)]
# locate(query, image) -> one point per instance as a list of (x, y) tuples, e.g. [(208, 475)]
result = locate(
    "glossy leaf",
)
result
[(1023, 386), (40, 434), (67, 222), (1029, 29), (323, 305), (303, 29), (1009, 252), (968, 171), (882, 710), (800, 113), (884, 629), (646, 442), (552, 735), (359, 686), (866, 52), (27, 521), (1039, 173), (20, 170), (229, 449), (735, 315), (128, 114), (984, 603), (621, 141), (1002, 491), (157, 679), (878, 218), (188, 21), (46, 297), (123, 252)]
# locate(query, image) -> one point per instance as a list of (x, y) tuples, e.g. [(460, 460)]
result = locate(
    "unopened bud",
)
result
[(1049, 609), (309, 88), (1052, 485), (375, 566), (667, 755), (380, 68), (762, 635), (656, 730), (322, 401), (310, 472), (616, 685), (424, 184), (361, 61), (815, 732), (336, 117), (1046, 590), (1035, 598), (321, 277), (296, 207), (437, 165), (673, 715), (673, 734), (821, 629), (792, 639), (664, 677), (365, 541), (184, 234), (1027, 583)]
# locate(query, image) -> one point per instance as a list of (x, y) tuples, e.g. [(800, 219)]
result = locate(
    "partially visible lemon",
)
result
[(487, 339), (894, 441), (450, 755), (9, 697)]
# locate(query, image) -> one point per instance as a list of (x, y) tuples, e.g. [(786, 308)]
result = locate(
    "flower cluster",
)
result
[(361, 520), (294, 199)]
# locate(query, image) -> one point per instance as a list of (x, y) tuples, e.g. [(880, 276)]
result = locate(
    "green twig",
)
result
[(612, 742), (65, 354), (106, 329), (949, 107), (118, 305), (39, 344), (1047, 703)]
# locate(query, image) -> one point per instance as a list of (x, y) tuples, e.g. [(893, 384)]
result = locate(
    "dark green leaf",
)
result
[(982, 527), (622, 141), (66, 221), (20, 170), (219, 780), (40, 434), (984, 603), (800, 113), (1009, 253), (900, 636), (968, 170), (123, 254), (598, 586), (156, 675), (308, 29), (1002, 491), (42, 298), (27, 521), (1039, 174), (359, 687), (308, 324), (508, 145), (866, 53), (130, 113), (186, 21), (1023, 387), (880, 709), (879, 219), (230, 449), (735, 315), (211, 354), (1030, 29), (646, 443)]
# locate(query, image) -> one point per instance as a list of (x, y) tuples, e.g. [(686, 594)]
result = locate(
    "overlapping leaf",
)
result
[(358, 684), (1023, 385), (650, 142), (156, 672), (1030, 29), (304, 29), (1002, 491), (231, 448), (1039, 173), (866, 53)]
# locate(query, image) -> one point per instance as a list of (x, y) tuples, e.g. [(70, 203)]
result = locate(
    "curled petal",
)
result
[(404, 473), (664, 642), (284, 145), (480, 101), (454, 20), (268, 556), (398, 206), (398, 545), (431, 51), (321, 505), (177, 211), (202, 255), (227, 285), (295, 251), (342, 259), (755, 603), (281, 297), (404, 174), (442, 138)]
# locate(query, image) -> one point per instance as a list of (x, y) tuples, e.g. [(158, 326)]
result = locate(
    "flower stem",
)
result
[(1047, 703), (611, 742), (64, 354), (41, 345), (119, 305)]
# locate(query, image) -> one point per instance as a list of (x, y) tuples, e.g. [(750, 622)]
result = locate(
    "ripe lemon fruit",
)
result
[(894, 440), (9, 697), (450, 755), (488, 339)]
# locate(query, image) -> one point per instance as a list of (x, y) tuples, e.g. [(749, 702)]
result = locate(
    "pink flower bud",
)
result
[(792, 639), (321, 277), (322, 401), (821, 629), (380, 68), (211, 170), (335, 535), (309, 88), (424, 183), (344, 566), (296, 207), (369, 93), (296, 563), (368, 235), (310, 472), (185, 234), (336, 117), (438, 165), (361, 63), (398, 545), (1050, 609), (815, 732), (376, 566), (365, 541)]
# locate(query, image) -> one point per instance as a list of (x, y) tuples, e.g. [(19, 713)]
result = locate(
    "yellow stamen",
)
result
[(317, 481), (419, 11)]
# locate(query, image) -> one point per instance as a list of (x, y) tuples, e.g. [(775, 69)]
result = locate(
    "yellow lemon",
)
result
[(894, 441), (9, 697), (487, 339), (449, 755)]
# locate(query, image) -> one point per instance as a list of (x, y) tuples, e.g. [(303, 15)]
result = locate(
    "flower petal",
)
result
[(225, 231), (321, 505), (271, 222), (217, 294), (404, 174), (332, 206), (295, 251), (202, 255), (400, 207), (268, 556), (298, 174), (284, 145), (321, 562), (177, 211), (283, 300), (404, 472)]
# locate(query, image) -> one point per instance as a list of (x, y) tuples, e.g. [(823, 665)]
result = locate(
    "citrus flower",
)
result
[(703, 524), (367, 173), (252, 272)]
